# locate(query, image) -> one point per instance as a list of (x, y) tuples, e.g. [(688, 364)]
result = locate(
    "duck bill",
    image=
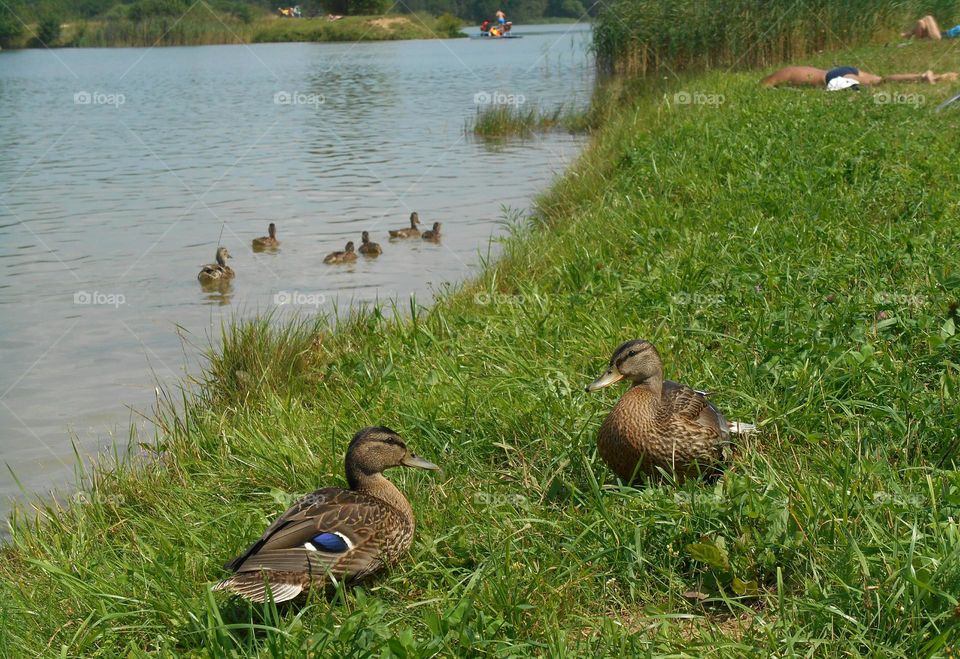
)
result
[(415, 461), (610, 377)]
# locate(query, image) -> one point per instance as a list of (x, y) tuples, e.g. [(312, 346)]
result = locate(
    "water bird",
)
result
[(334, 534), (660, 424), (218, 271), (368, 248), (433, 235), (346, 256), (410, 232), (268, 241)]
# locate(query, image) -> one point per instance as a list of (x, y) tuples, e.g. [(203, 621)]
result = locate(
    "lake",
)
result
[(124, 169)]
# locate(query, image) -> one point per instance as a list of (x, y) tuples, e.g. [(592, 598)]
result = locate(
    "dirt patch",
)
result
[(387, 23)]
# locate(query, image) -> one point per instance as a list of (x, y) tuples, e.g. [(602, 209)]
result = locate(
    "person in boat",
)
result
[(810, 76), (927, 28), (501, 19), (485, 27)]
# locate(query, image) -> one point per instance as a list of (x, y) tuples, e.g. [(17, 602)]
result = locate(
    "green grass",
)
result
[(646, 36), (793, 251), (499, 122)]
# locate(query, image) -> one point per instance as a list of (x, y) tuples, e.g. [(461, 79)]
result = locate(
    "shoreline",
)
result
[(226, 30)]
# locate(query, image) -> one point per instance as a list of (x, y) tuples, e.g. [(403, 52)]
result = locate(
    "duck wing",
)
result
[(332, 531), (687, 403)]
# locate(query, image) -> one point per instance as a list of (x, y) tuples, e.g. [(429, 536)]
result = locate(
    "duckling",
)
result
[(334, 534), (368, 248), (659, 423), (433, 235), (267, 242), (217, 271), (346, 256), (412, 231)]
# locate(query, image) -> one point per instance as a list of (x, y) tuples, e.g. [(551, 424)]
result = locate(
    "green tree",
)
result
[(10, 27), (48, 32)]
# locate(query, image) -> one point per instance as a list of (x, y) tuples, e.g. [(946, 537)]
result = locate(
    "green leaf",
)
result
[(710, 554)]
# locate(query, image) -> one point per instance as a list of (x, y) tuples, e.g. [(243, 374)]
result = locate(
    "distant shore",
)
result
[(211, 29)]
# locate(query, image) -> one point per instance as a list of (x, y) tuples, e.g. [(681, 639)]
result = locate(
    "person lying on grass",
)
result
[(927, 28), (811, 76)]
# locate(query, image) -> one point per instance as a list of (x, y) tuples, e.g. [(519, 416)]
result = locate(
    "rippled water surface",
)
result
[(122, 169)]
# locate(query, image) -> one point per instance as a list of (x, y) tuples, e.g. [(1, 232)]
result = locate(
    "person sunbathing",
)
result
[(927, 28), (810, 76)]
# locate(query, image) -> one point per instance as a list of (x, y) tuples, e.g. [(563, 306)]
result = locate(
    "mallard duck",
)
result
[(217, 271), (368, 248), (410, 232), (346, 256), (659, 423), (433, 235), (268, 241), (334, 534)]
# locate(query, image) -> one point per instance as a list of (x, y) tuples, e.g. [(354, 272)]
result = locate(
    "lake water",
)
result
[(123, 169)]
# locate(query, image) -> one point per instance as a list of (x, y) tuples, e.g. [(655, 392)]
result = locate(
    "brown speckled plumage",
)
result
[(372, 519), (410, 232), (659, 424)]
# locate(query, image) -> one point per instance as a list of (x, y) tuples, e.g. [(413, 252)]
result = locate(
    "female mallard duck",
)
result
[(410, 232), (433, 235), (346, 256), (659, 423), (334, 534), (368, 248), (217, 271), (268, 241)]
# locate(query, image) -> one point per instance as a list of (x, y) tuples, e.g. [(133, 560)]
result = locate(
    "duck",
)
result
[(433, 235), (410, 232), (334, 534), (368, 248), (268, 241), (346, 256), (660, 424), (217, 271)]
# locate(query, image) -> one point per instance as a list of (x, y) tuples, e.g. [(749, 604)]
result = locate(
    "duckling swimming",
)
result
[(659, 423), (218, 271), (368, 248), (346, 256), (267, 242), (411, 232), (334, 534), (433, 235)]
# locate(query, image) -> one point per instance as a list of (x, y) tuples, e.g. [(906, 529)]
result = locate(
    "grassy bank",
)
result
[(201, 25), (791, 250), (643, 36)]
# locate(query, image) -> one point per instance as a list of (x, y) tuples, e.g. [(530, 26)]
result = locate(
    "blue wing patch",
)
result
[(334, 543)]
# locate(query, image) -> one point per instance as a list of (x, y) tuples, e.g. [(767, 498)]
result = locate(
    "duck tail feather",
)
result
[(741, 428)]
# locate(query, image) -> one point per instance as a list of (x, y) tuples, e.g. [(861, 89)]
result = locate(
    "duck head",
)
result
[(272, 230), (375, 449), (636, 361), (349, 248), (222, 256), (414, 219), (365, 237), (436, 228)]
